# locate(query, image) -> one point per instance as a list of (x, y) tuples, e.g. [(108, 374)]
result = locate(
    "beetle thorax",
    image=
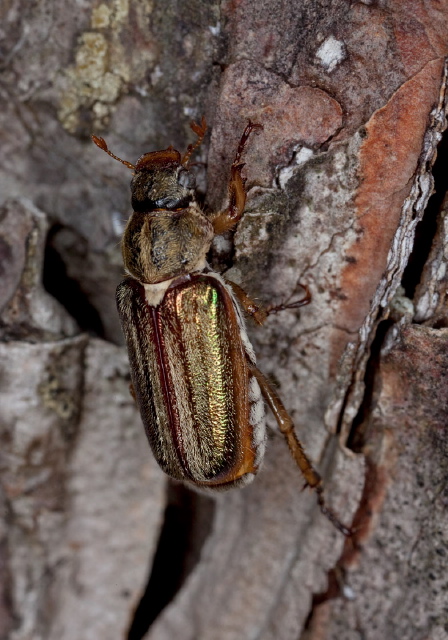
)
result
[(160, 245)]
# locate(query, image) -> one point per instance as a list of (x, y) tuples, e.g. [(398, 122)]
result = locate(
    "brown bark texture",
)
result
[(346, 194)]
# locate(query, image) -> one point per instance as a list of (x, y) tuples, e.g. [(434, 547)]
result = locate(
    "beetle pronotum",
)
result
[(193, 368)]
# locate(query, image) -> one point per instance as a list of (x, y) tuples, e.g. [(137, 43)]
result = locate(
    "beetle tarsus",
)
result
[(251, 126), (295, 304), (200, 130), (332, 517)]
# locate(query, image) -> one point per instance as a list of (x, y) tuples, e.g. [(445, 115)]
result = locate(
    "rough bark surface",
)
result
[(352, 99)]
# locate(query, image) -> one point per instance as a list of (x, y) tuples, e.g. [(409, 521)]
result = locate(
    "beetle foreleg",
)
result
[(251, 126), (286, 426), (228, 218), (200, 130)]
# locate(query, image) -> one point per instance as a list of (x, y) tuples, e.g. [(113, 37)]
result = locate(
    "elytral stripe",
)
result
[(167, 387)]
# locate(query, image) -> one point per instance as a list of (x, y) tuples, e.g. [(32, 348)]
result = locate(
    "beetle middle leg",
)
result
[(228, 218), (258, 312), (286, 426), (295, 304)]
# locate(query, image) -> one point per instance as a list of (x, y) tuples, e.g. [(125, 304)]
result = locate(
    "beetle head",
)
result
[(167, 235), (162, 181)]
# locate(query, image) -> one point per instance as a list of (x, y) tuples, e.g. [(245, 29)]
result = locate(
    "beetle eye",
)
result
[(186, 179)]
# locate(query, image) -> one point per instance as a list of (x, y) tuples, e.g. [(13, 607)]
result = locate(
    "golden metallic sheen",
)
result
[(191, 364)]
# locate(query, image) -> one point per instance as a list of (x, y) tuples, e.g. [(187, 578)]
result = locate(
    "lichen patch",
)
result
[(105, 65)]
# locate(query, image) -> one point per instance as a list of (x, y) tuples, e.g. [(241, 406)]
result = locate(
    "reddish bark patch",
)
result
[(290, 116), (377, 479), (415, 381), (388, 161)]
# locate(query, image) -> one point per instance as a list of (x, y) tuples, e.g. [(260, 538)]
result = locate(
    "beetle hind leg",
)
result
[(286, 426)]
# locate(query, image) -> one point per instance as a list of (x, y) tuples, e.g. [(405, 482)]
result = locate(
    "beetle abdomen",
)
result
[(200, 406)]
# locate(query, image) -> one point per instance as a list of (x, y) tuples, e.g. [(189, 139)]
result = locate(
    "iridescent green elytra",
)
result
[(190, 373)]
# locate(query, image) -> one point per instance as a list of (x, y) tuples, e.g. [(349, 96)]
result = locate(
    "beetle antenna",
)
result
[(199, 130), (101, 143)]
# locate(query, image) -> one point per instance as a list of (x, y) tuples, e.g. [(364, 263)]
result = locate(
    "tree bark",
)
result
[(94, 541)]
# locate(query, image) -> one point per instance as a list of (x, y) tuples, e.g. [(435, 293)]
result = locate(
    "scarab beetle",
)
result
[(193, 369)]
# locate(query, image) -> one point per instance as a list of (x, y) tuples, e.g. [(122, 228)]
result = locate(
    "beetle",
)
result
[(193, 368)]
